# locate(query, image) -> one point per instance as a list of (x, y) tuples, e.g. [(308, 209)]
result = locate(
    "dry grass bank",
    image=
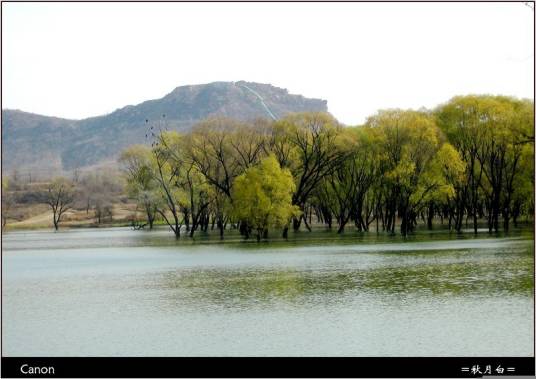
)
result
[(40, 216)]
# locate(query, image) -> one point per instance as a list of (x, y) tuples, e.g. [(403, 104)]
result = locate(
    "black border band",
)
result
[(322, 367)]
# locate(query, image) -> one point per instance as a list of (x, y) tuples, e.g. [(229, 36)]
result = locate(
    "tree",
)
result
[(212, 152), (59, 196), (470, 158), (343, 191), (519, 151), (492, 153), (461, 120), (522, 198), (410, 141), (191, 186), (7, 201), (491, 133), (437, 184), (263, 197), (248, 142), (141, 183), (449, 170), (98, 190), (166, 173), (312, 155), (220, 149)]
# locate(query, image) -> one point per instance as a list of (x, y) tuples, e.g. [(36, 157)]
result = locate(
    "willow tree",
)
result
[(166, 171), (249, 142), (344, 190), (522, 195), (461, 119), (519, 149), (137, 164), (450, 170), (213, 153), (190, 187), (491, 133), (410, 141), (263, 197), (492, 153), (437, 184), (220, 149), (312, 152)]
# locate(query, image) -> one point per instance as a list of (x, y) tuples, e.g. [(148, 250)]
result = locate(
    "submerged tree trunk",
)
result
[(221, 227), (430, 216), (342, 224), (296, 222), (306, 224), (150, 217)]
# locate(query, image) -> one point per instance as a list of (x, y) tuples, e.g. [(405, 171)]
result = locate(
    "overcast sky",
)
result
[(85, 59)]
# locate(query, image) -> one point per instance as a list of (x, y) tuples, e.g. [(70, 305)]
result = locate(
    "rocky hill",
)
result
[(41, 144)]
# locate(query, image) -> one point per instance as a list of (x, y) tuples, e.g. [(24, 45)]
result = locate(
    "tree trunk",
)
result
[(187, 221), (430, 216), (150, 219), (220, 226), (506, 221), (296, 222), (306, 224), (341, 226)]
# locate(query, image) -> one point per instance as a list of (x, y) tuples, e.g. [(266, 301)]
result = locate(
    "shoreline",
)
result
[(108, 236)]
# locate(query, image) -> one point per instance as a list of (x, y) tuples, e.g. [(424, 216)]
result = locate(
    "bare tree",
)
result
[(7, 201), (60, 195), (98, 190), (103, 208)]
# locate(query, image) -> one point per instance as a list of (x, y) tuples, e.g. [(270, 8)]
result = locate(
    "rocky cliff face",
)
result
[(43, 144)]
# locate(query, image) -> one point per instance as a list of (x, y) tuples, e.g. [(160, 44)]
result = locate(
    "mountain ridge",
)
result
[(53, 144)]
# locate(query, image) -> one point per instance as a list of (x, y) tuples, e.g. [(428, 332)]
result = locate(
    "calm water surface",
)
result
[(118, 292)]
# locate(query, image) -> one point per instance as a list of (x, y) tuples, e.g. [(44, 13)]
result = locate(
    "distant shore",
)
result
[(41, 218), (122, 218)]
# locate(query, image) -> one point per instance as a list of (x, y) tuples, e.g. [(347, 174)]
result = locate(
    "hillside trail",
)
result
[(260, 98)]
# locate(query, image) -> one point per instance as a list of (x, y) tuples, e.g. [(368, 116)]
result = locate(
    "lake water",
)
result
[(119, 292)]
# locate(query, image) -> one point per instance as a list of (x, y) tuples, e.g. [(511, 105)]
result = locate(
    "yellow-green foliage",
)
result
[(136, 163), (438, 182), (262, 196), (410, 141), (472, 153)]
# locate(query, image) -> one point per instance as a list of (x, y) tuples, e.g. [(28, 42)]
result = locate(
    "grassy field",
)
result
[(40, 216)]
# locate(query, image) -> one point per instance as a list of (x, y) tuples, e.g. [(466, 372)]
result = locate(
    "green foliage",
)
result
[(471, 157), (139, 167), (409, 142), (438, 183), (263, 196), (492, 133)]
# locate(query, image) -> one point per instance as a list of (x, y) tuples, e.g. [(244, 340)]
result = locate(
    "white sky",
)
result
[(77, 60)]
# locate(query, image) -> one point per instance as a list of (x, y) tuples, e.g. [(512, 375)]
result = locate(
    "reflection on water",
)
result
[(263, 287), (119, 292), (161, 236)]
